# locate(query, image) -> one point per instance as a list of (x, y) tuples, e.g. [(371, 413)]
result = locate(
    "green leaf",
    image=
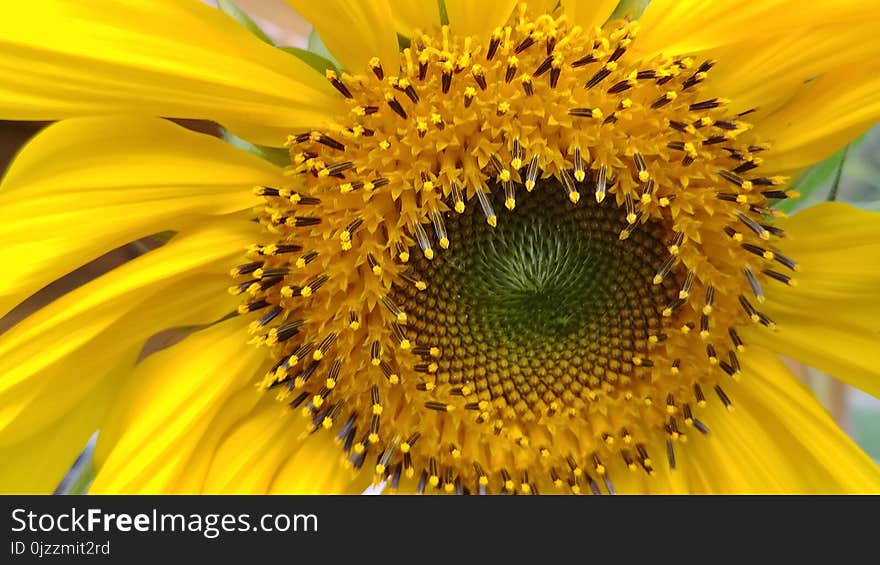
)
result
[(317, 46), (835, 184), (444, 15), (84, 479), (312, 59), (277, 155), (629, 9), (820, 181), (81, 473), (239, 15), (317, 56), (816, 179)]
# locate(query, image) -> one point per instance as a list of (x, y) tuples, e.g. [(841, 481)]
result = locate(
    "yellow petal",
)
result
[(825, 459), (779, 439), (172, 58), (538, 7), (821, 457), (38, 463), (823, 116), (256, 450), (413, 15), (168, 405), (796, 45), (252, 452), (104, 324), (831, 320), (235, 410), (317, 468), (248, 448), (354, 31), (767, 74), (791, 78), (588, 13), (691, 26), (85, 186), (467, 17)]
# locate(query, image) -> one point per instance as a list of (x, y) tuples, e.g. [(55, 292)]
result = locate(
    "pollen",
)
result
[(517, 263)]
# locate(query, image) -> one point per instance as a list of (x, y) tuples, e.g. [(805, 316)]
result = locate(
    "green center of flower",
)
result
[(549, 303)]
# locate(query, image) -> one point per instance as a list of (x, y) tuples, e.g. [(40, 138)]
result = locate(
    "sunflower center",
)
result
[(536, 276), (552, 301), (568, 337)]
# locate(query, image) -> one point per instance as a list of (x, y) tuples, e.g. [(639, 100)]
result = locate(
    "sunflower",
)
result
[(513, 248)]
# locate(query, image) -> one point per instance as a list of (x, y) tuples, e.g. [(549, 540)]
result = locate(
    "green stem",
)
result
[(832, 196)]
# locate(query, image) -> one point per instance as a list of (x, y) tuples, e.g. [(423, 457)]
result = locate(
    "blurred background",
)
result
[(852, 175)]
